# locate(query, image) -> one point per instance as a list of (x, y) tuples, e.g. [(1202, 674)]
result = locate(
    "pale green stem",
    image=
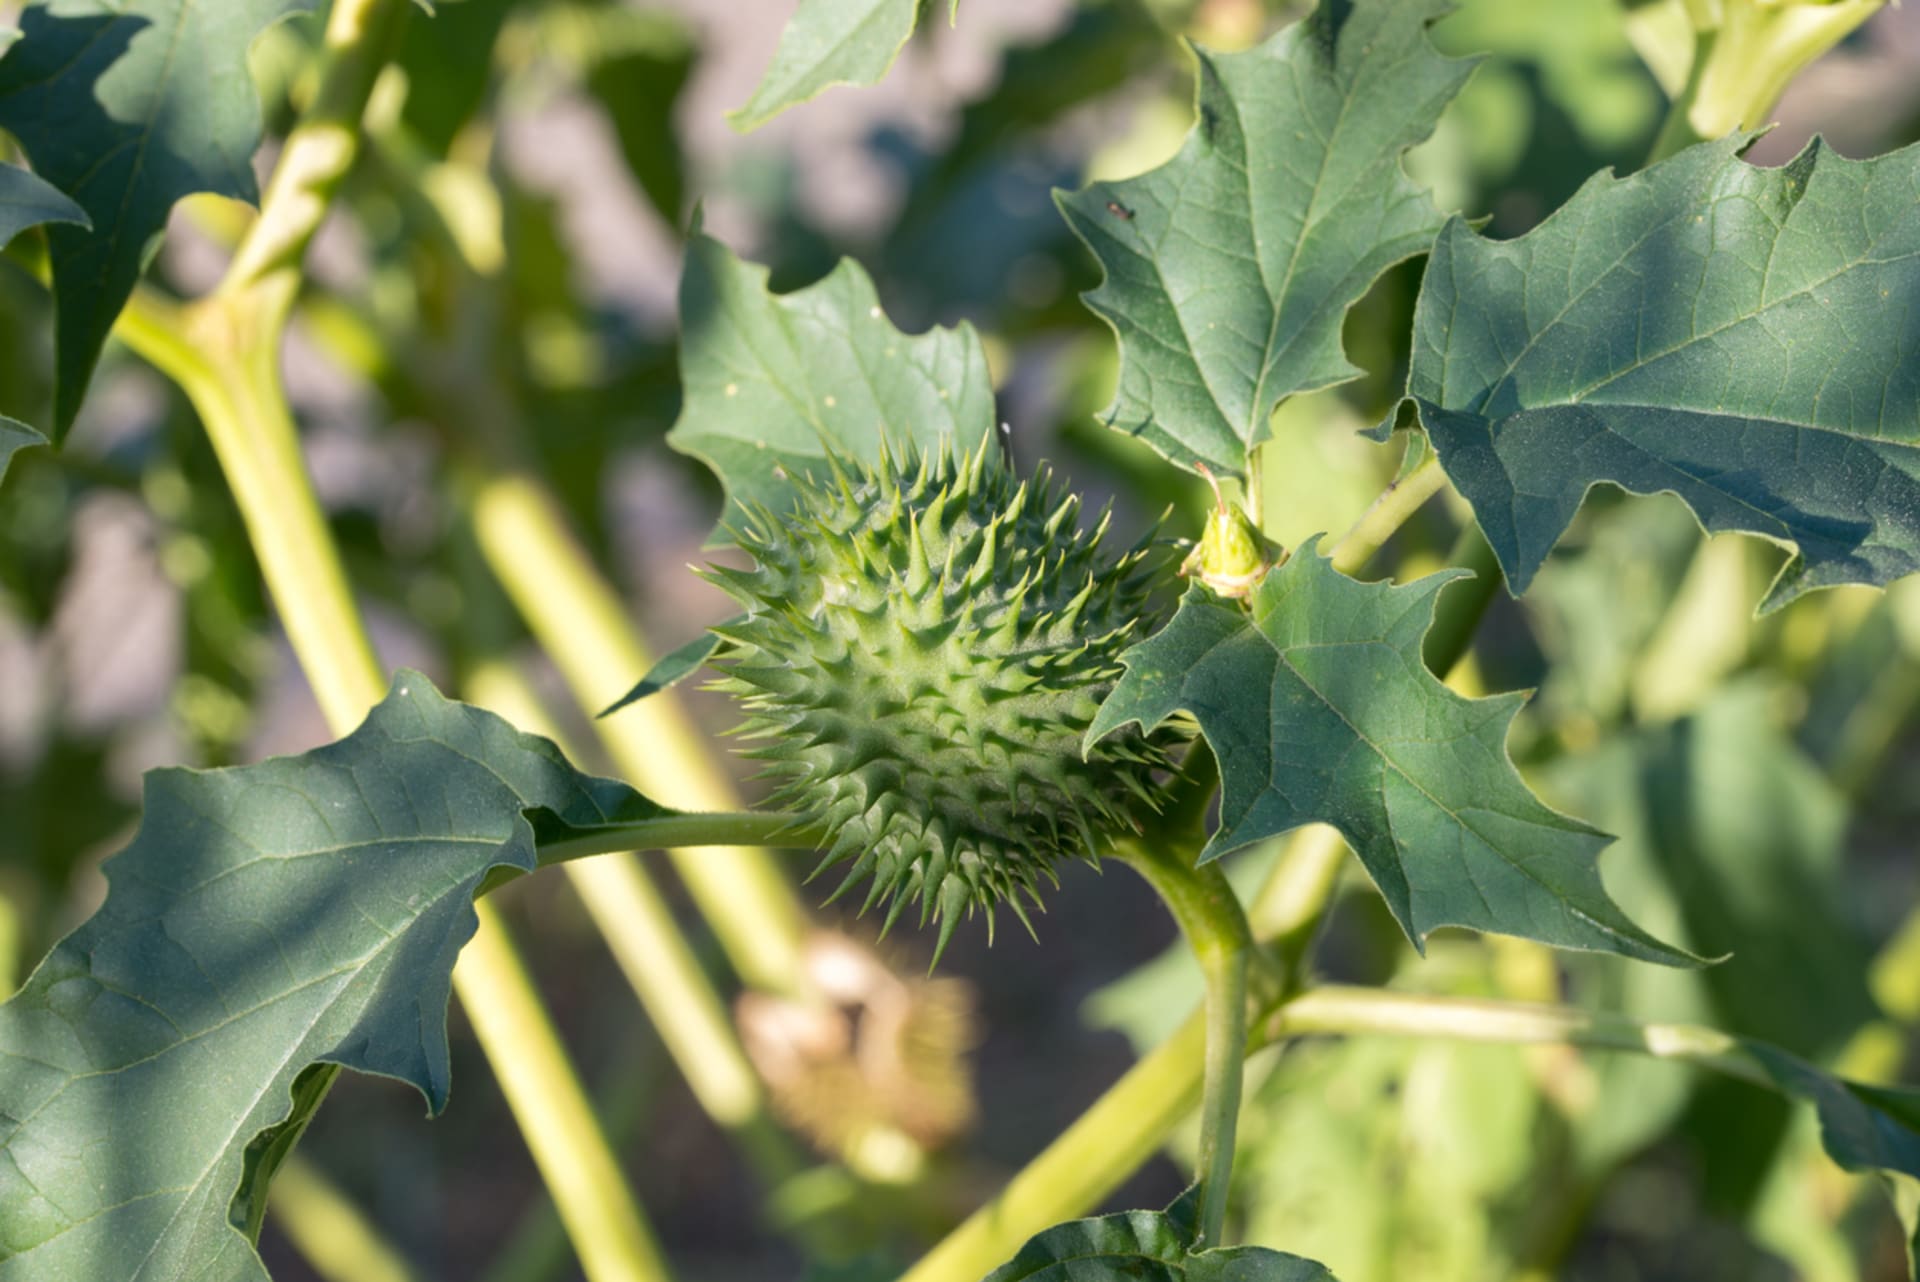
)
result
[(1677, 131), (334, 1236), (583, 626), (1356, 1012), (1393, 509), (1286, 913), (589, 1189), (1216, 929), (319, 151)]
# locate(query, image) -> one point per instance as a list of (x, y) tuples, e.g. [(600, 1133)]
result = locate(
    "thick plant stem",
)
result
[(583, 626), (1210, 917), (230, 369), (1677, 132), (589, 1189), (318, 153)]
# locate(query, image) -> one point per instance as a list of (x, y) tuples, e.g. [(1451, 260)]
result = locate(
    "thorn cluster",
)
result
[(924, 646)]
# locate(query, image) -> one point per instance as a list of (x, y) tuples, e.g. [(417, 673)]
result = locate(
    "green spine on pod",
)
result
[(924, 646)]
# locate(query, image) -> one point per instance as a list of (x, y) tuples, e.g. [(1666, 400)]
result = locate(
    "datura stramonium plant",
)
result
[(924, 646)]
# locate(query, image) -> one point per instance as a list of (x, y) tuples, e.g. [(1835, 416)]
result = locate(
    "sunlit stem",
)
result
[(609, 1234), (1357, 1012), (1216, 929), (1393, 509)]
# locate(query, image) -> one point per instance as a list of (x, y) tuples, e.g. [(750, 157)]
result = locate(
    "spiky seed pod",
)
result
[(924, 646)]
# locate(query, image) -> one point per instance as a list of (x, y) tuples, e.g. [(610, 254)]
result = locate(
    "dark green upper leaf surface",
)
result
[(771, 383), (825, 43), (1746, 338), (127, 107), (1316, 703), (26, 200), (1145, 1246), (1230, 269), (265, 918)]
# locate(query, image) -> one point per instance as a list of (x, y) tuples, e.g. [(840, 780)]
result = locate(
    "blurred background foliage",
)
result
[(497, 288)]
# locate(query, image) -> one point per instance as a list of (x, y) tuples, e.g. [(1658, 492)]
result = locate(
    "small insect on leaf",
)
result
[(1232, 556), (1119, 211)]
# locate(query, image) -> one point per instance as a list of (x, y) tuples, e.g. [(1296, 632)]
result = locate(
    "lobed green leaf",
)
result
[(1230, 269), (772, 383), (1146, 1246), (303, 911), (1318, 707), (126, 106), (1746, 338), (827, 43)]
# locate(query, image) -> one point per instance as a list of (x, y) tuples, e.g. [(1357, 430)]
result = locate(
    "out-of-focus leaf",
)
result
[(772, 383), (640, 88), (1751, 836), (1447, 1139), (1230, 269), (14, 437), (826, 43), (1730, 840), (27, 200), (126, 107), (1742, 337), (1596, 607), (1348, 727), (978, 233), (1870, 1129), (269, 918), (449, 64)]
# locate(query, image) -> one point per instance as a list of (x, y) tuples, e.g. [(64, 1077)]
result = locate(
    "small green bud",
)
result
[(1231, 556)]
